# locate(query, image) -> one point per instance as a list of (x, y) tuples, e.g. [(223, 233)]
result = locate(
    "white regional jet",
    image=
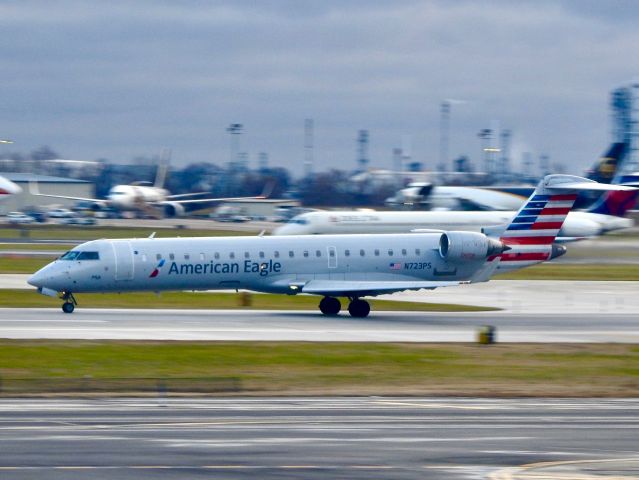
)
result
[(144, 197), (351, 266), (605, 216)]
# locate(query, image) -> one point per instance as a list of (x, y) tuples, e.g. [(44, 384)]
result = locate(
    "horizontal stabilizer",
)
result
[(361, 288), (571, 182)]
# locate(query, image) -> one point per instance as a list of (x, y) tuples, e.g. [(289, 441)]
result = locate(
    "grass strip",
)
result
[(27, 247), (212, 300), (550, 271), (293, 368), (84, 232)]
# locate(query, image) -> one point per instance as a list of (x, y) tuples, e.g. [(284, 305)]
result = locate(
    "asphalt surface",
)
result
[(318, 438), (517, 296), (260, 325)]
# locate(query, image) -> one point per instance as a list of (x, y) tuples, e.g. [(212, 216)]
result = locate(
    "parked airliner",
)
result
[(603, 217), (351, 266), (152, 200)]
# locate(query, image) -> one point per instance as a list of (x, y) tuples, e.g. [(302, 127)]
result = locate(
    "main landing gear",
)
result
[(69, 302), (357, 307)]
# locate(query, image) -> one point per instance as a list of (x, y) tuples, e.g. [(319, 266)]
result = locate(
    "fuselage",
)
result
[(576, 225), (267, 264), (131, 197)]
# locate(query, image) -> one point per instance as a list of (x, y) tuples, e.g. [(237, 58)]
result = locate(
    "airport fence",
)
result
[(91, 385)]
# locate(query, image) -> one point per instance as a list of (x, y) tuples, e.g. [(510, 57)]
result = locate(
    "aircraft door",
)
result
[(123, 260), (332, 257)]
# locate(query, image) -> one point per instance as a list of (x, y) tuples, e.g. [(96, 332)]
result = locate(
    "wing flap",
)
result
[(362, 288)]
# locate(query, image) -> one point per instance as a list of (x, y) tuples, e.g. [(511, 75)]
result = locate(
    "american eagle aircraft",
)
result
[(351, 266)]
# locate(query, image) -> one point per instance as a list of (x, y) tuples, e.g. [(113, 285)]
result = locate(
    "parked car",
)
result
[(60, 213), (38, 215), (19, 218)]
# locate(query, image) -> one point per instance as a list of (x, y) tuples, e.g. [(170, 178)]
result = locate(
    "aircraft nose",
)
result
[(37, 279)]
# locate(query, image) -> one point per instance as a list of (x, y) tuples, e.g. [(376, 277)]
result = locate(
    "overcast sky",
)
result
[(117, 80)]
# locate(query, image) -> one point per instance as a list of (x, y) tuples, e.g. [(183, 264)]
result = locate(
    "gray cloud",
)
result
[(119, 79)]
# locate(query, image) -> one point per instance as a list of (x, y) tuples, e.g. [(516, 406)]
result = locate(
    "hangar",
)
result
[(46, 184)]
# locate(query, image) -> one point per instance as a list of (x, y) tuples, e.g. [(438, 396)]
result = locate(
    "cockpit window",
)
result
[(89, 256), (298, 221), (77, 255)]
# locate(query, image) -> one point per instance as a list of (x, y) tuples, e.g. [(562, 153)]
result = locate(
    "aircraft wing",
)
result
[(222, 199), (33, 190), (368, 288)]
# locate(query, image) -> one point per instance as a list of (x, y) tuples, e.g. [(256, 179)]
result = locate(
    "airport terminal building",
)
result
[(46, 184)]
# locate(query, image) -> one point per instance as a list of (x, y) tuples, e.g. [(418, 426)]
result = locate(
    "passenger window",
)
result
[(377, 252), (187, 256), (247, 255), (417, 251), (88, 256), (331, 253), (158, 256), (216, 255), (232, 255), (404, 251), (171, 256), (276, 254), (318, 253), (347, 253), (291, 254), (390, 252), (305, 253), (362, 253), (261, 254)]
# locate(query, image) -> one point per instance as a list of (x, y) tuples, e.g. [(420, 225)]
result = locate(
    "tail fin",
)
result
[(533, 230), (163, 167), (618, 203), (607, 166)]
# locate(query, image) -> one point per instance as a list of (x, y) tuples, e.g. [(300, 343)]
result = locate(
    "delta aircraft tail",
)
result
[(618, 203)]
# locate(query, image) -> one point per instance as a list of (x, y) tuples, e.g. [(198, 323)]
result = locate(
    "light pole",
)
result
[(234, 129)]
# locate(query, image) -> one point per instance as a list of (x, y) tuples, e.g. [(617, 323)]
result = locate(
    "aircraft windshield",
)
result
[(77, 255), (298, 221)]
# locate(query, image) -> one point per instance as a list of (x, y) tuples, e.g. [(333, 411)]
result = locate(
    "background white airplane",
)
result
[(351, 266), (605, 216), (7, 188), (153, 200)]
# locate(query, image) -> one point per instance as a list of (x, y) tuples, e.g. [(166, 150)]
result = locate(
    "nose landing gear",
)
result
[(69, 302)]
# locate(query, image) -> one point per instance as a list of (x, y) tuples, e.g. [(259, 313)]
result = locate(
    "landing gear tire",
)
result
[(69, 302), (359, 308), (68, 307), (330, 306)]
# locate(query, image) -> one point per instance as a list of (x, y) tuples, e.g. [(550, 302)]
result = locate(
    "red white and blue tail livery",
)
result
[(532, 232)]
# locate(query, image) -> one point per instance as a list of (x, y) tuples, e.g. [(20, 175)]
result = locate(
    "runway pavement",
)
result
[(147, 324), (319, 438), (517, 296)]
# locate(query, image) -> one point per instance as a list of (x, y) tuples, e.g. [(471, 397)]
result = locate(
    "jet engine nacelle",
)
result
[(172, 209), (458, 247), (97, 206)]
